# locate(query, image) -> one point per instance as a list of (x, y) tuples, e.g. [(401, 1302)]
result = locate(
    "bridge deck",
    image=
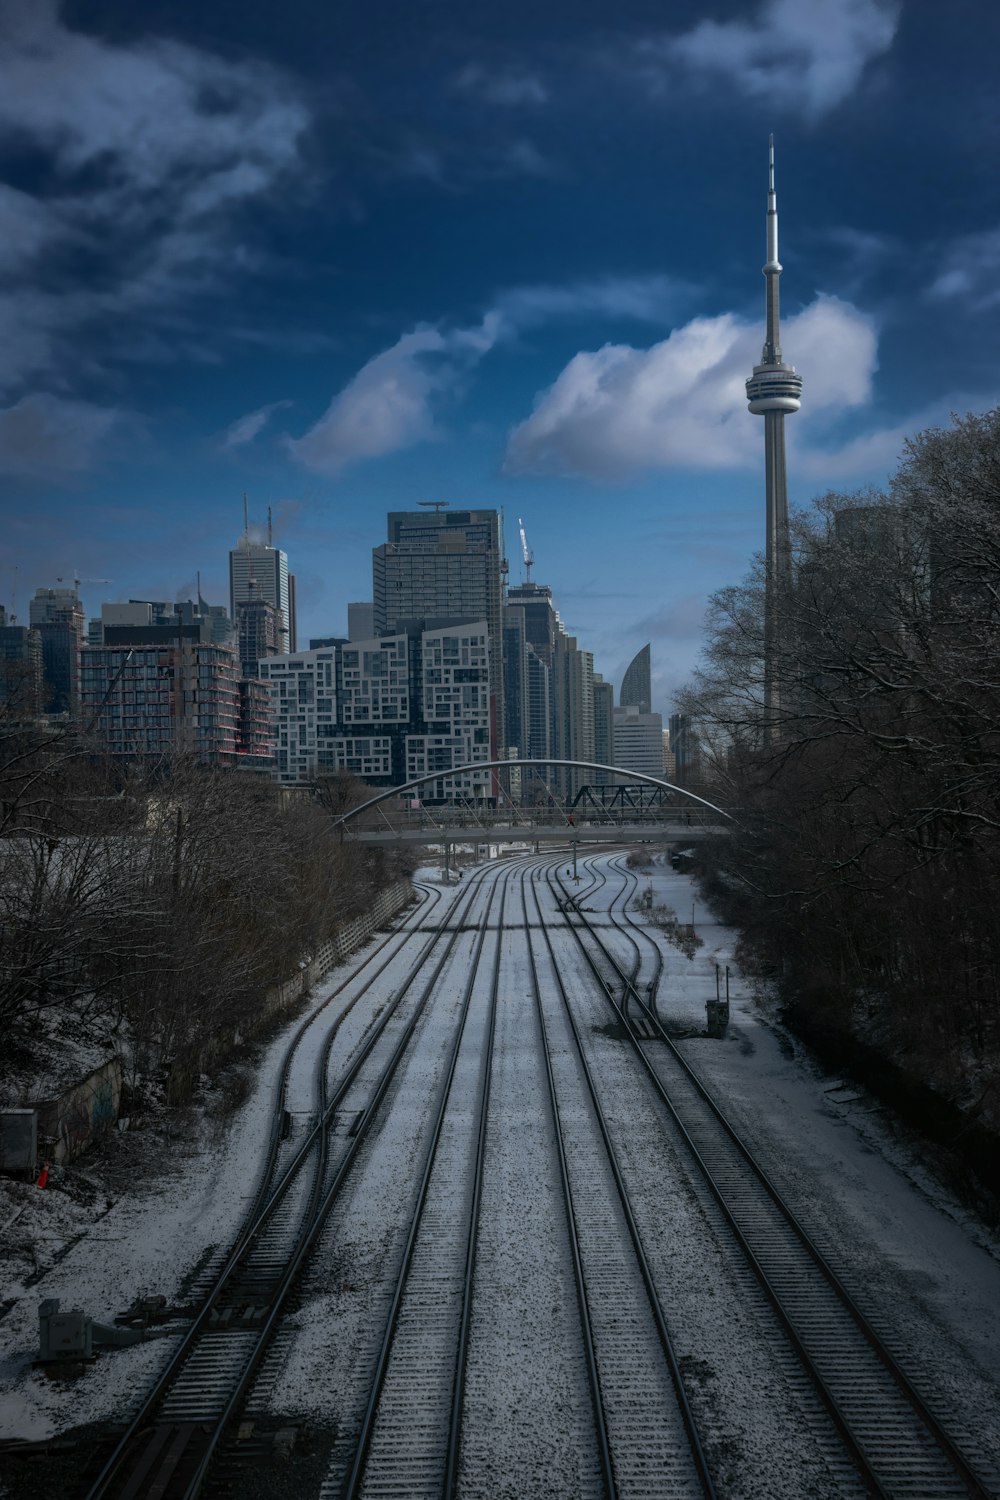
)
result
[(659, 832)]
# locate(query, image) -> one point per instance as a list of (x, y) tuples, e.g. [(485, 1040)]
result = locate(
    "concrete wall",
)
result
[(67, 1125)]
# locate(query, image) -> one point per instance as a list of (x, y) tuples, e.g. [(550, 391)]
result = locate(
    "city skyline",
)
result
[(511, 263)]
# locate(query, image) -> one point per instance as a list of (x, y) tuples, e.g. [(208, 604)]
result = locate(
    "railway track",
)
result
[(170, 1442), (522, 1161), (406, 1443), (647, 1435), (899, 1446), (409, 1441)]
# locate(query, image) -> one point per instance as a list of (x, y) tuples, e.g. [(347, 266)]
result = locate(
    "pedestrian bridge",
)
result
[(664, 814)]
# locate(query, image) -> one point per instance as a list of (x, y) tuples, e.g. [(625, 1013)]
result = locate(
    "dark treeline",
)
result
[(865, 870), (152, 909)]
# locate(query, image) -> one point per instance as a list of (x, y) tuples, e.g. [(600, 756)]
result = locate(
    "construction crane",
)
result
[(529, 557), (76, 580)]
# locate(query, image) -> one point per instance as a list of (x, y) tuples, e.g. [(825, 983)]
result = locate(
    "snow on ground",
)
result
[(925, 1271), (527, 1425), (194, 1175), (765, 1434)]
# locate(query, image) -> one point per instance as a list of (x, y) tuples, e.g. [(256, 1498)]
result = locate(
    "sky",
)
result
[(347, 258)]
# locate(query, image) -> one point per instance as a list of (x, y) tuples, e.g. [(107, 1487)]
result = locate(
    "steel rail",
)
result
[(656, 1307), (364, 1438), (265, 1183), (583, 1302), (968, 1474), (974, 1483), (450, 1486), (331, 1192), (121, 1454)]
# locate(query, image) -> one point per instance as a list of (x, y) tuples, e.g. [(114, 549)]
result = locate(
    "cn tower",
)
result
[(772, 390)]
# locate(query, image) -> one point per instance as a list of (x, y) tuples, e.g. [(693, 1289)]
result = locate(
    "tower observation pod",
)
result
[(773, 390)]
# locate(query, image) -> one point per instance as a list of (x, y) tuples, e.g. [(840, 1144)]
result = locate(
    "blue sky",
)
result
[(345, 258)]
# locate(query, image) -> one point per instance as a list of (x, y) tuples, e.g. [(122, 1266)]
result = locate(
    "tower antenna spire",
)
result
[(774, 390)]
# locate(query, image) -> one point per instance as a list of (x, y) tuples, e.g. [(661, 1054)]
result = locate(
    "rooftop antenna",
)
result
[(246, 522), (437, 505), (269, 541)]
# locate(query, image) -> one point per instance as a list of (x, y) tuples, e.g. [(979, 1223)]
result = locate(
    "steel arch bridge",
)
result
[(680, 815)]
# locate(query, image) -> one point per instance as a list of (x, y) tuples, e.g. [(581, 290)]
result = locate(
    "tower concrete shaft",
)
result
[(773, 390)]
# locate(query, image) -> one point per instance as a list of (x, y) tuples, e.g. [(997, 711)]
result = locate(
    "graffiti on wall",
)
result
[(86, 1110)]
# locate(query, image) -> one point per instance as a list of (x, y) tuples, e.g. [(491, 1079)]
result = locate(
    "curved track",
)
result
[(506, 1121), (899, 1445), (170, 1441)]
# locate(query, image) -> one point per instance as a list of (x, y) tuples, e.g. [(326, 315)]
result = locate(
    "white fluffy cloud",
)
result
[(808, 54), (391, 402), (245, 429), (681, 403)]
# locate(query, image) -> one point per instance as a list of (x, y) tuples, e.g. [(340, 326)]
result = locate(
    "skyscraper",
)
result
[(636, 689), (57, 615), (772, 390), (259, 571), (440, 564)]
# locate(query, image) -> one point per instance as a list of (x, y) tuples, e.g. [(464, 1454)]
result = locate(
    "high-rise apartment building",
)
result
[(257, 634), (303, 691), (556, 660), (444, 564), (686, 749), (388, 709), (157, 691), (455, 694), (638, 741), (256, 737), (604, 732), (572, 712), (21, 673), (528, 707), (57, 615)]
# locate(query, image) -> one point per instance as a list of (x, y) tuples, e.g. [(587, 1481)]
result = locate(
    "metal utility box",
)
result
[(67, 1335), (18, 1140)]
